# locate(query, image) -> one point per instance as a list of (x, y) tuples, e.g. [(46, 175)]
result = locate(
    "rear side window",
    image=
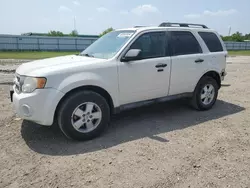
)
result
[(212, 41), (184, 43), (152, 45)]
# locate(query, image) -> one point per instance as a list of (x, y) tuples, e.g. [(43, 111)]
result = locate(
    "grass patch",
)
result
[(32, 55), (239, 53)]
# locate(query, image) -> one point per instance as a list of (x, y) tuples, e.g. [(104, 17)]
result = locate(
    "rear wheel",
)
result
[(205, 94), (84, 115)]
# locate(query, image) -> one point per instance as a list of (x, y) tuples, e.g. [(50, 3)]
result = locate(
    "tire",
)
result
[(198, 101), (75, 111)]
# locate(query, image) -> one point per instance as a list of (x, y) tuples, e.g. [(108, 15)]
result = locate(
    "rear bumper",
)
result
[(38, 106), (223, 75)]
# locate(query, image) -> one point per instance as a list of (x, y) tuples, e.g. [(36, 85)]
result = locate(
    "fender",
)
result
[(88, 79)]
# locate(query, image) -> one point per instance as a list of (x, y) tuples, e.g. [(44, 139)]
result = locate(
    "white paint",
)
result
[(126, 82)]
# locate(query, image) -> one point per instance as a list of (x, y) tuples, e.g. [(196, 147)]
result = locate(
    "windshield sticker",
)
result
[(124, 35)]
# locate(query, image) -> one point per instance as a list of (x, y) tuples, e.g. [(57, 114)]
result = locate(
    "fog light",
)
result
[(26, 110)]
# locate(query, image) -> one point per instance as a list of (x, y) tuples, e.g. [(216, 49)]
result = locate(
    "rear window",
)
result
[(212, 41)]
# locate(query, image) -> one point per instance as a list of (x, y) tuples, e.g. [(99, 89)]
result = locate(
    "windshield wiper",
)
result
[(87, 55)]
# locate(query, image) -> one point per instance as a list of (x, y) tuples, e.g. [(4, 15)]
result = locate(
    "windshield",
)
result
[(107, 46)]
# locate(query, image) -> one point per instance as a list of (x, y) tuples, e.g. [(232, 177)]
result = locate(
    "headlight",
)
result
[(31, 83)]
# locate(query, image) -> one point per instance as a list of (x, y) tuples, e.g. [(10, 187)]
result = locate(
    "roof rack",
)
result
[(169, 24)]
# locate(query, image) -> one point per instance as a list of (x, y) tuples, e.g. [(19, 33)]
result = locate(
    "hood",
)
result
[(56, 63)]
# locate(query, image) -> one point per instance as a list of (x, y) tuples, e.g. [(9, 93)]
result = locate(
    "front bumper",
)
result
[(38, 106)]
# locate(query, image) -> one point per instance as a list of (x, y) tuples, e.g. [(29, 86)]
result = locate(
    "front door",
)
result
[(147, 78)]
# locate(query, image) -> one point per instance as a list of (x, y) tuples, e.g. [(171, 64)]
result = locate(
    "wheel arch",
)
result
[(213, 74), (96, 89)]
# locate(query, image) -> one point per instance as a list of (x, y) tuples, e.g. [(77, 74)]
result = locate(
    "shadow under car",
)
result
[(127, 126)]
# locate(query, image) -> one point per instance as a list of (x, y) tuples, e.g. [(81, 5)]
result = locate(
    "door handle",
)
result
[(160, 70), (199, 60), (161, 65)]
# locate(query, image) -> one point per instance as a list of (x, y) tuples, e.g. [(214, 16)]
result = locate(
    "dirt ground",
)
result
[(160, 146)]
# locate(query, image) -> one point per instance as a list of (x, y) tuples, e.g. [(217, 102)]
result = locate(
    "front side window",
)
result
[(107, 46), (152, 45), (184, 43), (212, 41)]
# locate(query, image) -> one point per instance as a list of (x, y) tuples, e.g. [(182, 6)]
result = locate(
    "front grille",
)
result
[(18, 78)]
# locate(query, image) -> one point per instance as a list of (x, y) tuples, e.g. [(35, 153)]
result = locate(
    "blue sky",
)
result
[(93, 16)]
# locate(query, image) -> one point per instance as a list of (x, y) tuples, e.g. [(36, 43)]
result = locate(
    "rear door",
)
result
[(188, 61)]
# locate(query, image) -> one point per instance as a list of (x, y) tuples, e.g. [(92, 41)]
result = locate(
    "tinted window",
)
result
[(212, 41), (152, 45), (183, 43)]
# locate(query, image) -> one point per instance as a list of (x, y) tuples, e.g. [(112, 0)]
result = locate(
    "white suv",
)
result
[(124, 67)]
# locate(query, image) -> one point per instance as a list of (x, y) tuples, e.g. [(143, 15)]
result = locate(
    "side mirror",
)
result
[(132, 54)]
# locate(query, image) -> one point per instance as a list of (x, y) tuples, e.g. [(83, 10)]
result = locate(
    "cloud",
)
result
[(142, 9), (102, 9), (63, 8), (124, 12), (192, 16), (77, 3), (211, 13), (220, 12), (90, 19)]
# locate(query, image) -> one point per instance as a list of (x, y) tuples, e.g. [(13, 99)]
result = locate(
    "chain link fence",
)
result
[(41, 43), (237, 45)]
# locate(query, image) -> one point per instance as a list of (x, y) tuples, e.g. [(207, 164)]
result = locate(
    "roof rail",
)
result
[(169, 24)]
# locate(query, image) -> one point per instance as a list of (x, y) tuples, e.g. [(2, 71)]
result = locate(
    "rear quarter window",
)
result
[(212, 41)]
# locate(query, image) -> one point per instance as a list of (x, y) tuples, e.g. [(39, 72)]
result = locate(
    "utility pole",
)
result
[(229, 32), (74, 23)]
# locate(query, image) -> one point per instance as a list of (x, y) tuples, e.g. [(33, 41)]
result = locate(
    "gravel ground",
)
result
[(160, 146), (13, 61)]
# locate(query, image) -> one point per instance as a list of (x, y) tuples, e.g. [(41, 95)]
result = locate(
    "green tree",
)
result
[(74, 33), (55, 33), (237, 37), (226, 38), (247, 36), (106, 31)]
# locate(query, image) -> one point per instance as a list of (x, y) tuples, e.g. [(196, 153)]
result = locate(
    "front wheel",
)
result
[(84, 115), (205, 94)]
